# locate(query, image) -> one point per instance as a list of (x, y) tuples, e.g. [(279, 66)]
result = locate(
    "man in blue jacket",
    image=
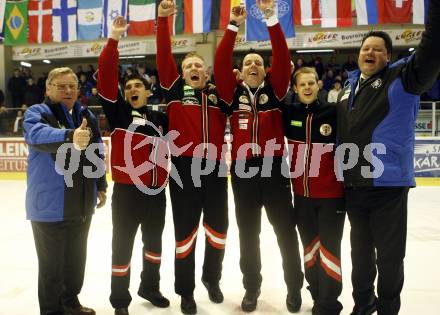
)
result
[(65, 177), (376, 117)]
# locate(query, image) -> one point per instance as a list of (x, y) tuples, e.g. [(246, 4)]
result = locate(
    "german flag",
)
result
[(221, 10)]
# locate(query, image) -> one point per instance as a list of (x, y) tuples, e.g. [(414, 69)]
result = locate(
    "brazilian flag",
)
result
[(16, 22)]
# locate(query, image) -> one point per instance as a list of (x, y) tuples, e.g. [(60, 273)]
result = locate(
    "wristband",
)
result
[(233, 23)]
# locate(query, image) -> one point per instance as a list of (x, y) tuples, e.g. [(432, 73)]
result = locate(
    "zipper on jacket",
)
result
[(83, 178), (205, 125), (256, 151), (83, 184), (306, 186)]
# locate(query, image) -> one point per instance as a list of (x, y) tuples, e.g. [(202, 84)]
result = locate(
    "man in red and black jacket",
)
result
[(318, 196), (138, 197), (195, 113), (258, 138)]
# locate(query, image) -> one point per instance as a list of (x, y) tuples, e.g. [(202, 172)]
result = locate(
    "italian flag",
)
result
[(197, 14), (175, 21), (142, 16)]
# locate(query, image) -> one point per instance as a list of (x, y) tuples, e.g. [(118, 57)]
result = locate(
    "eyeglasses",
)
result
[(65, 86)]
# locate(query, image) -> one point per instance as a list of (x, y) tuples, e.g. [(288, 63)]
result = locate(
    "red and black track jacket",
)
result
[(152, 157), (311, 135), (255, 119), (195, 114)]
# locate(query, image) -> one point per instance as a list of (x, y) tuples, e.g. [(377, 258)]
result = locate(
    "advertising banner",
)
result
[(14, 153), (333, 39), (427, 157), (93, 49)]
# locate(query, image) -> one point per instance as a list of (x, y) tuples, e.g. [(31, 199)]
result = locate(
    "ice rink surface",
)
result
[(18, 263)]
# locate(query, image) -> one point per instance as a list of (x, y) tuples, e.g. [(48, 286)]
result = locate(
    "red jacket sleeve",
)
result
[(108, 71), (166, 65), (280, 70), (225, 80)]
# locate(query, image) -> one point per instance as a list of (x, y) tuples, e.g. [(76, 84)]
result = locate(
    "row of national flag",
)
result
[(334, 13), (43, 21)]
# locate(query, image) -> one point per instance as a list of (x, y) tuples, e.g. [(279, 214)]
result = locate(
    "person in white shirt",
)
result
[(333, 93)]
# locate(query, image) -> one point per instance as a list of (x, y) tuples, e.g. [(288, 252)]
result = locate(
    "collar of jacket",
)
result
[(141, 110), (311, 108), (62, 114), (249, 91), (353, 77)]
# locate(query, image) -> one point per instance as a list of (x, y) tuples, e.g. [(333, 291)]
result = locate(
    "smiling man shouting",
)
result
[(130, 206), (257, 127), (194, 112), (378, 108)]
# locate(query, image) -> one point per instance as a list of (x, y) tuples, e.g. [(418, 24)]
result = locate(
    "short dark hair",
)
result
[(135, 76), (384, 35), (251, 51)]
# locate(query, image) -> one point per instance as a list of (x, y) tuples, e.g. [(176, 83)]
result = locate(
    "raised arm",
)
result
[(225, 79), (166, 65), (109, 60), (424, 66), (280, 70)]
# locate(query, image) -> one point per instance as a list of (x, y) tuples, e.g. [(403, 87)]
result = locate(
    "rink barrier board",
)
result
[(14, 152)]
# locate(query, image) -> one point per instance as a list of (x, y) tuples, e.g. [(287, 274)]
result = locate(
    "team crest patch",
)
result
[(213, 98), (161, 130), (325, 129), (377, 83), (263, 99), (243, 99)]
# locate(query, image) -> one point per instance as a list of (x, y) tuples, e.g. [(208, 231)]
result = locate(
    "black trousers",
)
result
[(188, 202), (61, 250), (131, 208), (378, 218), (321, 225), (273, 192)]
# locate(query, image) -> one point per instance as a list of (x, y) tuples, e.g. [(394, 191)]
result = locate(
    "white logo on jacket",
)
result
[(377, 83)]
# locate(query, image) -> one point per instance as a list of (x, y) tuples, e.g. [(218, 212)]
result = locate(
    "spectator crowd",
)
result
[(25, 90)]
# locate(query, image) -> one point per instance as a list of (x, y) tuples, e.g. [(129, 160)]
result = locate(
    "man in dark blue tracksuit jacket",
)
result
[(379, 107), (60, 205)]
